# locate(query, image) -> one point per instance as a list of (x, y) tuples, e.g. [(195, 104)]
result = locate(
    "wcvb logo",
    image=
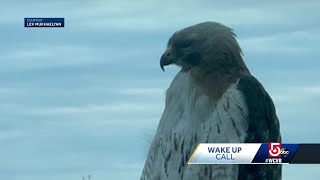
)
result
[(274, 149)]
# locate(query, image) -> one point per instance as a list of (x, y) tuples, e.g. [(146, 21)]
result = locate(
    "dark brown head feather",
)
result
[(210, 52)]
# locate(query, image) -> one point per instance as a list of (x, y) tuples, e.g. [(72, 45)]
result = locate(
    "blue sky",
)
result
[(86, 99)]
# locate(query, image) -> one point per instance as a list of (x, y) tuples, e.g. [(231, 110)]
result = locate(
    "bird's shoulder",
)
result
[(262, 118), (263, 126)]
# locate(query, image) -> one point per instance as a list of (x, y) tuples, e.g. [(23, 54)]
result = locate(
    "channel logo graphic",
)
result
[(275, 150)]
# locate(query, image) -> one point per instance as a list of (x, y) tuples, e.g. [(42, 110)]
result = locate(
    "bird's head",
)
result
[(207, 45)]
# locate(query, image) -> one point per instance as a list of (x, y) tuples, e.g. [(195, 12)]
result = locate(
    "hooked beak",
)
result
[(166, 59)]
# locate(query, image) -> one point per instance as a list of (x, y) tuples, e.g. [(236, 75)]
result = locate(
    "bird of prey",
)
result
[(213, 99)]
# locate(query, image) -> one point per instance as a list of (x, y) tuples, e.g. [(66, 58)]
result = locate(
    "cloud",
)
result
[(117, 107), (158, 92), (10, 135), (156, 15), (105, 18), (42, 56), (295, 94), (35, 56), (8, 91), (170, 15), (306, 171), (295, 42)]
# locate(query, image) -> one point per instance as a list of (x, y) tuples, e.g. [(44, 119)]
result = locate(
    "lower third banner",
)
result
[(256, 153)]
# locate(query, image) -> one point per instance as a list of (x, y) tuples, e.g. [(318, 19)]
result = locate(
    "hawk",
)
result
[(213, 99)]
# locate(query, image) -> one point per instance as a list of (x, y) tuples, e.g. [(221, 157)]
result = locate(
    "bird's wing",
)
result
[(263, 127), (167, 145)]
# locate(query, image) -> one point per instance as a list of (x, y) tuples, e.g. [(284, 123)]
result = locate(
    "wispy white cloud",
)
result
[(19, 93), (158, 92), (156, 14), (40, 55), (11, 134), (295, 42), (118, 107), (306, 171), (168, 14), (36, 55), (111, 16), (8, 91), (295, 94)]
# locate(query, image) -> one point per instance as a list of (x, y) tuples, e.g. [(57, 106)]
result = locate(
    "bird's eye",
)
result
[(183, 43)]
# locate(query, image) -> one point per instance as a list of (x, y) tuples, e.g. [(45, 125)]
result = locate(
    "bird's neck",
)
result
[(215, 83)]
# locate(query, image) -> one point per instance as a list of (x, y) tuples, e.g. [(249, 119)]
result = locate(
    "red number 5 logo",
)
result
[(274, 149)]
